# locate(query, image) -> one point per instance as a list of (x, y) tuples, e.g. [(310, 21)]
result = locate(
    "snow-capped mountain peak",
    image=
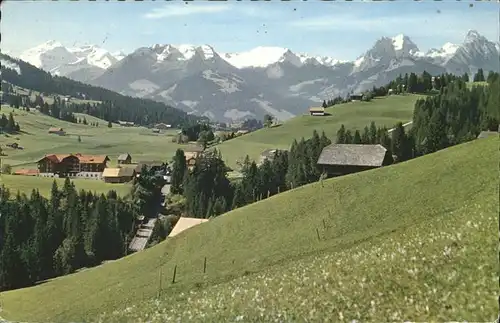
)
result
[(447, 50), (257, 57)]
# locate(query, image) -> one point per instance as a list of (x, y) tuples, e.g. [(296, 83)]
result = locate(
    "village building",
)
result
[(126, 123), (487, 134), (118, 175), (192, 153), (268, 154), (163, 126), (124, 159), (156, 130), (57, 131), (72, 165), (356, 97), (155, 166), (317, 111), (343, 159)]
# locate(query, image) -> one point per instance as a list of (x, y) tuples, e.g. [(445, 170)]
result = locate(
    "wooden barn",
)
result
[(118, 175), (57, 131), (343, 159), (124, 159), (317, 111)]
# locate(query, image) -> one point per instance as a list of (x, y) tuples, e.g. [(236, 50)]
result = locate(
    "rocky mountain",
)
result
[(264, 80)]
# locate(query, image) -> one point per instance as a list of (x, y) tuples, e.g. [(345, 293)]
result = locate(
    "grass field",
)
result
[(140, 142), (414, 241), (25, 184), (355, 115)]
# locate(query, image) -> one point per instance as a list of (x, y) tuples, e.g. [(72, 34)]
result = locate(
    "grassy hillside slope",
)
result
[(354, 115), (140, 142), (422, 204)]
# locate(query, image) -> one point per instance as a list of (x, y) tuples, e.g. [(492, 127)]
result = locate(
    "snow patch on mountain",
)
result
[(10, 65)]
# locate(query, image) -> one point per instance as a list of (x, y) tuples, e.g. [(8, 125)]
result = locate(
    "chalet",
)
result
[(72, 165), (242, 132), (57, 131), (126, 123), (92, 164), (317, 111), (356, 97), (124, 159), (118, 175), (62, 165), (156, 130), (163, 126), (343, 159), (487, 134), (268, 154)]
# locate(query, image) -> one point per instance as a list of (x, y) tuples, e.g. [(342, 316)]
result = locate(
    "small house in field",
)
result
[(118, 175), (343, 159), (356, 97), (57, 131), (124, 159), (268, 154), (317, 111), (156, 130), (163, 126)]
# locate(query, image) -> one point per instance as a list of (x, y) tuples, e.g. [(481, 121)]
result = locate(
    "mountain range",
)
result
[(265, 80)]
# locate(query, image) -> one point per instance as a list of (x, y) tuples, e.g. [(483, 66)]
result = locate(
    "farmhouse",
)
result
[(317, 111), (57, 131), (268, 154), (126, 123), (124, 159), (343, 159), (156, 130), (69, 165), (118, 175), (356, 97)]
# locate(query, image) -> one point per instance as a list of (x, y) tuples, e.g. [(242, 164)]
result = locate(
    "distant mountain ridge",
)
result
[(264, 80)]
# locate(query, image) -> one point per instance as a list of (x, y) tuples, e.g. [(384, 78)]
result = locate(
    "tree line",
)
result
[(113, 106), (43, 238)]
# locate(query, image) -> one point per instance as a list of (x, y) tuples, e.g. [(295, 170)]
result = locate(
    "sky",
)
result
[(343, 30)]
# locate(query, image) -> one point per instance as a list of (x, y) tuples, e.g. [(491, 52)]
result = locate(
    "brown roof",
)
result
[(355, 155), (57, 158), (317, 109), (118, 172), (90, 159), (111, 172), (27, 172), (55, 129)]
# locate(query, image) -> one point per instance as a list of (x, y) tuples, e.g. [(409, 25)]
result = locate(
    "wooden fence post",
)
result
[(159, 283), (175, 272), (324, 223), (205, 265), (317, 232)]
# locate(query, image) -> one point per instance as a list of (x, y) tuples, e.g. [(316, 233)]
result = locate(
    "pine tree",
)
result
[(341, 135), (357, 138), (179, 168)]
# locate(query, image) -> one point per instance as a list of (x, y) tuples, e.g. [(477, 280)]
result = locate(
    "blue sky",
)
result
[(343, 30)]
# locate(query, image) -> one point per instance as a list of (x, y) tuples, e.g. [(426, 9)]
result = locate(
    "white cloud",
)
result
[(184, 10)]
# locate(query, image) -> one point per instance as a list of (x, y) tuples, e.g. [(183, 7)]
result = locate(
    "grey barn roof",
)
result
[(123, 156), (486, 134), (354, 155)]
